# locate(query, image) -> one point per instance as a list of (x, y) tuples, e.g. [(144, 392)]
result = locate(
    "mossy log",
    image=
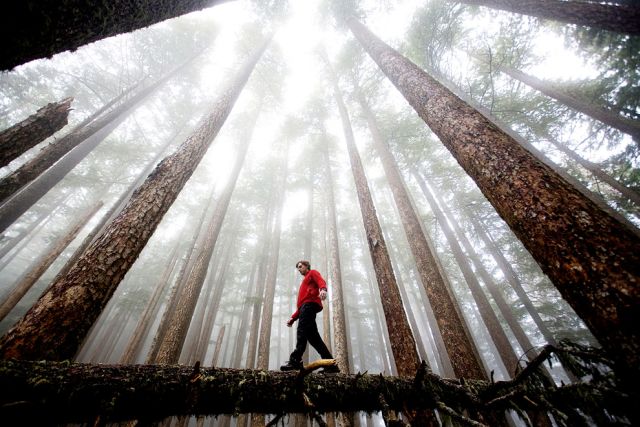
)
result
[(58, 392)]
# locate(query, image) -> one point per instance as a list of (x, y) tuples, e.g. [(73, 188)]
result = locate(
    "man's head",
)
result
[(303, 267)]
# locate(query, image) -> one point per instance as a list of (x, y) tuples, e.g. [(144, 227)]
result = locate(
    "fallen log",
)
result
[(46, 392)]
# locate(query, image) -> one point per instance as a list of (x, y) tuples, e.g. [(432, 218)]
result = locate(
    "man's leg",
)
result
[(295, 359)]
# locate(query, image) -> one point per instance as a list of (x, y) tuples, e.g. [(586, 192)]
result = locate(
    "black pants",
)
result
[(308, 332)]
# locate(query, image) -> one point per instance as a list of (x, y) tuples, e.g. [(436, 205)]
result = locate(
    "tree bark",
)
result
[(25, 186), (22, 136), (38, 393), (618, 18), (341, 351), (496, 331), (36, 30), (400, 336), (591, 258), (31, 277), (171, 345), (269, 284), (511, 277), (462, 353), (56, 325)]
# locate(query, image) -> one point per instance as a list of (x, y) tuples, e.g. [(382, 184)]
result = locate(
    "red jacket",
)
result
[(310, 291)]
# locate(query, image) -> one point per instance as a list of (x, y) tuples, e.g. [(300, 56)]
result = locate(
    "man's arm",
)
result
[(322, 285)]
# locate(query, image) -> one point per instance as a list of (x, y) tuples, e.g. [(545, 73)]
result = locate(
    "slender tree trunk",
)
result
[(213, 298), (31, 277), (171, 345), (610, 118), (341, 349), (626, 192), (464, 358), (272, 270), (498, 335), (402, 342), (511, 276), (216, 352), (618, 18), (150, 311), (38, 225), (591, 258), (258, 296), (174, 293), (36, 30), (22, 136), (56, 325), (246, 312)]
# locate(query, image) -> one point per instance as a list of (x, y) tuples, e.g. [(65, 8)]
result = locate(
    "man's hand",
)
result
[(323, 294), (290, 322)]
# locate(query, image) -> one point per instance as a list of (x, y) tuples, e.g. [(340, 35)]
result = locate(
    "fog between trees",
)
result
[(278, 203)]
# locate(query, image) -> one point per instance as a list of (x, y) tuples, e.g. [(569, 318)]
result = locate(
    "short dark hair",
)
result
[(303, 262)]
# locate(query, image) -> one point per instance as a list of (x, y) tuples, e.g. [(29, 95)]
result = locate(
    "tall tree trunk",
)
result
[(115, 208), (171, 345), (401, 338), (25, 186), (594, 197), (269, 284), (36, 30), (31, 277), (626, 192), (610, 118), (591, 258), (511, 277), (56, 325), (174, 293), (618, 18), (258, 296), (341, 351), (497, 333), (462, 353), (22, 136), (144, 323), (33, 229)]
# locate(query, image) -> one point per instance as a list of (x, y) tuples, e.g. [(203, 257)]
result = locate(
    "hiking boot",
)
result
[(333, 369), (291, 365)]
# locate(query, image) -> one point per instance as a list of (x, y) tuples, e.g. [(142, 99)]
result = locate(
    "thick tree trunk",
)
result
[(171, 345), (22, 136), (56, 325), (591, 258), (610, 118), (462, 353), (38, 393), (111, 213), (31, 277), (36, 30), (25, 186), (619, 18)]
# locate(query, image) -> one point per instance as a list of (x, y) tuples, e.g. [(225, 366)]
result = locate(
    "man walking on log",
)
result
[(313, 290)]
